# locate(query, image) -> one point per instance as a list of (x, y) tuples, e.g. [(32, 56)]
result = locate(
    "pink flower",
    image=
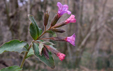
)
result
[(71, 19), (71, 39), (61, 56), (56, 52), (62, 9)]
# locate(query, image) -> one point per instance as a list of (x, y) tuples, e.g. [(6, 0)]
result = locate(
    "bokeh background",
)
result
[(93, 29)]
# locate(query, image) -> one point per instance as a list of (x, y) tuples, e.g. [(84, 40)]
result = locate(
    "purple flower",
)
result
[(62, 9), (71, 39), (71, 19)]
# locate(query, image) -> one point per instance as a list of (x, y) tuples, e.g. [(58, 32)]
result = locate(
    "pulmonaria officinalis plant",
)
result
[(39, 47)]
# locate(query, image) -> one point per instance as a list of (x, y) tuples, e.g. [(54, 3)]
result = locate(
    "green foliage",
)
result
[(12, 68), (49, 62), (40, 31), (41, 46), (13, 46), (35, 31), (30, 53)]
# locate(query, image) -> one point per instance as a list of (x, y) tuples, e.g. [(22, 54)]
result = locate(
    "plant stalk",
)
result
[(43, 33), (22, 63)]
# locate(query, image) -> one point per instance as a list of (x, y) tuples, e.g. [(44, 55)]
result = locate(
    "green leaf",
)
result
[(12, 68), (40, 31), (40, 48), (30, 53), (49, 62), (14, 45), (33, 20), (35, 31), (52, 33)]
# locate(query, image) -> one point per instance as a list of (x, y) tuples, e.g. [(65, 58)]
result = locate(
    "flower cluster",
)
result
[(39, 47), (62, 9)]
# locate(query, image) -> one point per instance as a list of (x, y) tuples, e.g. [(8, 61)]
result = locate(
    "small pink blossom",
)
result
[(56, 52), (62, 9), (71, 39), (71, 19), (61, 56)]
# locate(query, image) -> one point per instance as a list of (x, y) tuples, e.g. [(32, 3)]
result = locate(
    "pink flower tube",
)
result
[(61, 56), (71, 19), (62, 9), (71, 39)]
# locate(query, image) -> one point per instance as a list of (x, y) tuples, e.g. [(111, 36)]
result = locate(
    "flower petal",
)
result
[(69, 12), (61, 56), (59, 5), (65, 7), (71, 19), (62, 9), (71, 39)]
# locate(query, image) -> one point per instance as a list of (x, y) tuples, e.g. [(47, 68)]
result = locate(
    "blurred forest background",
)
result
[(93, 29)]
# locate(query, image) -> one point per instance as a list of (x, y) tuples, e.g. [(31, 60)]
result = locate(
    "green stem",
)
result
[(43, 33), (22, 63)]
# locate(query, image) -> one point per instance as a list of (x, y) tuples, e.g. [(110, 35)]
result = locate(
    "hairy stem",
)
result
[(43, 33), (22, 63)]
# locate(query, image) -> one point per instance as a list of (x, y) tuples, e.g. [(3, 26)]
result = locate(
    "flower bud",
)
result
[(54, 21), (59, 25), (52, 49), (45, 52), (46, 17), (57, 30)]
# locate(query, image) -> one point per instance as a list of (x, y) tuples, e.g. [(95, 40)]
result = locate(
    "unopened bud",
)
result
[(45, 52), (52, 49), (57, 30), (59, 25), (46, 17), (54, 21)]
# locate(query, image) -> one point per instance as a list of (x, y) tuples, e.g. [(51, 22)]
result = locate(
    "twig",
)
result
[(88, 35)]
